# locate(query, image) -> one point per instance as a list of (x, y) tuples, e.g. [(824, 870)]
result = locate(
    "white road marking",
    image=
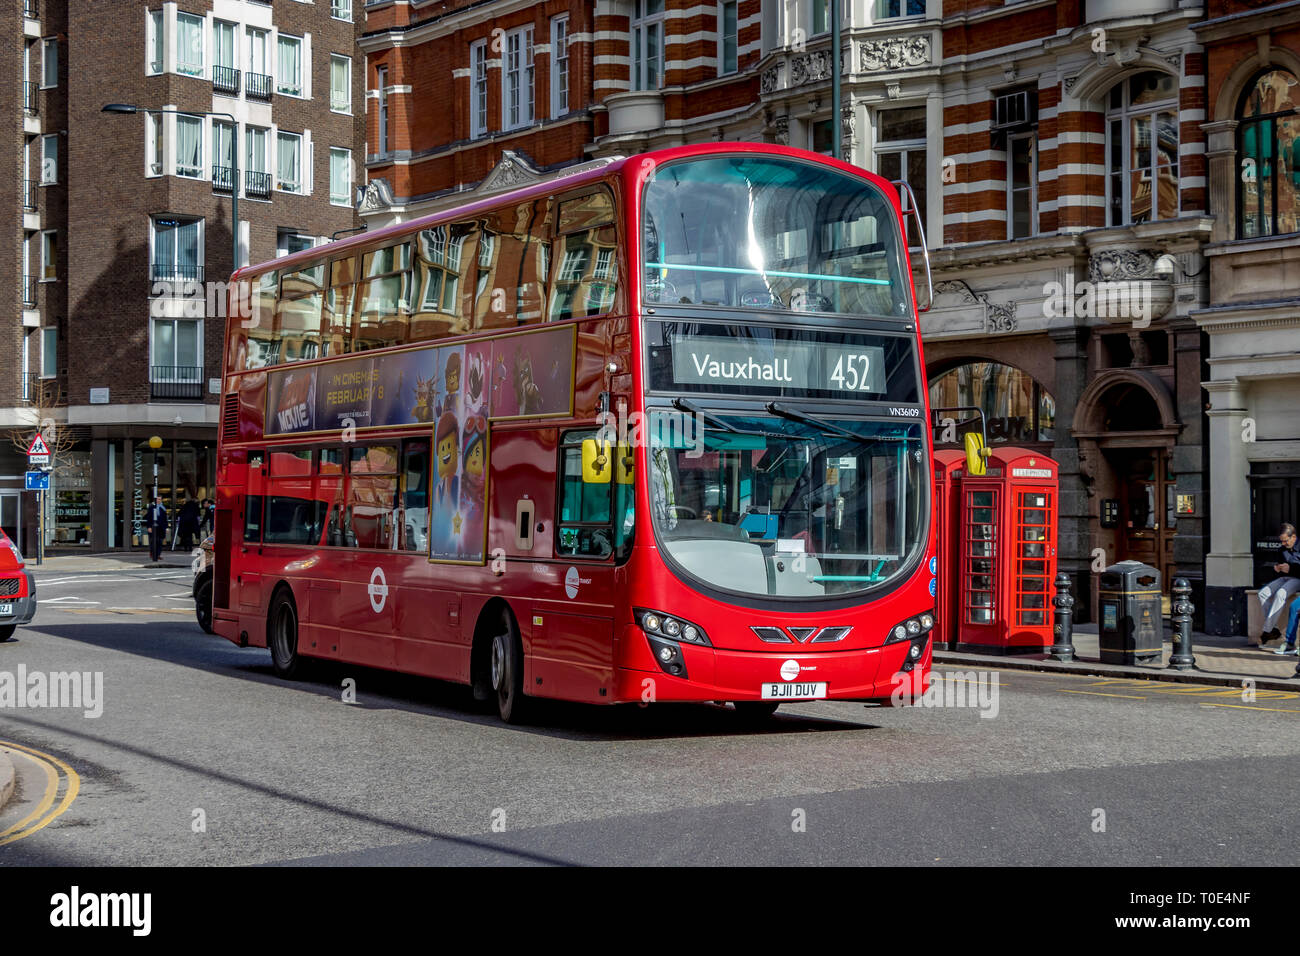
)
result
[(68, 599)]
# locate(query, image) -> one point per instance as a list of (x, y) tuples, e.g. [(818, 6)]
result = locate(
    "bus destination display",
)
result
[(709, 360)]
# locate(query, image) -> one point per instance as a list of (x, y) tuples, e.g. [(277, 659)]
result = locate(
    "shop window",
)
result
[(1016, 408), (1269, 161)]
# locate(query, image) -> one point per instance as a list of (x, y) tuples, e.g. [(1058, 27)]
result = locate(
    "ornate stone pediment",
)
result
[(377, 195), (954, 299), (511, 171), (895, 53)]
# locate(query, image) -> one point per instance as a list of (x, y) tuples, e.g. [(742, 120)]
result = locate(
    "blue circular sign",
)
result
[(934, 565), (932, 580)]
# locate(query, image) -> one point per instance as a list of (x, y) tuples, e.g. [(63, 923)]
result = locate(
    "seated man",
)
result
[(1293, 620), (1273, 597)]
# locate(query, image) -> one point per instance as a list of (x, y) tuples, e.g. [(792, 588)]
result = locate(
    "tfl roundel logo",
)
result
[(932, 580), (934, 565)]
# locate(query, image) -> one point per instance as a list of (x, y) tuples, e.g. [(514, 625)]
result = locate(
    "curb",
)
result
[(1097, 669), (7, 779)]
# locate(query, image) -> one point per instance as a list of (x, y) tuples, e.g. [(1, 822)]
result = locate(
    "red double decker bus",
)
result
[(654, 429)]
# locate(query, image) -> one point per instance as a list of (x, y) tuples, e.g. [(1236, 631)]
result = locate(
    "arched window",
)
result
[(1142, 149), (1269, 131), (1016, 408)]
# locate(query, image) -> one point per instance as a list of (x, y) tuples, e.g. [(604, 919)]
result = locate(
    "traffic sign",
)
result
[(38, 481), (38, 447)]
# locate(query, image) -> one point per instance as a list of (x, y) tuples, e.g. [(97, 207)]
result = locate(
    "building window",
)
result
[(49, 256), (648, 45), (1022, 193), (478, 105), (1142, 149), (189, 44), (889, 9), (258, 41), (153, 142), (821, 137), (49, 62), (177, 246), (381, 88), (1016, 408), (341, 9), (255, 154), (559, 66), (288, 77), (223, 44), (340, 83), (154, 42), (341, 177), (223, 155), (900, 153), (289, 241), (50, 159), (1269, 138), (821, 16), (177, 355), (49, 352), (288, 163), (517, 79), (727, 29), (189, 146)]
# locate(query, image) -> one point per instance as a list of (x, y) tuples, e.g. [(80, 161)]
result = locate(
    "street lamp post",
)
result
[(234, 166)]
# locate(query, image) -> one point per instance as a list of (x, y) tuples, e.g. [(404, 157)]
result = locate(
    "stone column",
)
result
[(1222, 175), (1228, 568), (1074, 529)]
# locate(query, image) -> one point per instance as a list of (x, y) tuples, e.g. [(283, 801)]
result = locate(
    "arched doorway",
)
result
[(1017, 409)]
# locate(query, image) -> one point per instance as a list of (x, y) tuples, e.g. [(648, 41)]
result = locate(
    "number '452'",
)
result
[(851, 372)]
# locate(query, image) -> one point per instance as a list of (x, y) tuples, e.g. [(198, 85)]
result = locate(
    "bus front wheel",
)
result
[(203, 605), (755, 711), (508, 672), (283, 637)]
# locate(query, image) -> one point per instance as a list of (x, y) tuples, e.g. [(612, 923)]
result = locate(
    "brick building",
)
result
[(1252, 321), (131, 225)]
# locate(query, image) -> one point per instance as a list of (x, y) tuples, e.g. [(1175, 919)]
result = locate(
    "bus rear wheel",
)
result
[(203, 605), (283, 636), (755, 711), (7, 631), (507, 663)]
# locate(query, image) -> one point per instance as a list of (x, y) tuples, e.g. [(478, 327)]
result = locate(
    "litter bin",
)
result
[(1128, 599)]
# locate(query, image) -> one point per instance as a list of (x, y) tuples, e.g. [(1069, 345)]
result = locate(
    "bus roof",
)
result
[(570, 176)]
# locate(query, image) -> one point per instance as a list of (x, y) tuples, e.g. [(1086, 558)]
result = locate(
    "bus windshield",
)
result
[(789, 504), (760, 232)]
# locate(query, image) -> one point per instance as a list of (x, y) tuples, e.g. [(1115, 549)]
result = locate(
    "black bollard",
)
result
[(1182, 658), (1063, 626)]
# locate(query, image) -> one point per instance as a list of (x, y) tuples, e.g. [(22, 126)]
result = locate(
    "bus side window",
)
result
[(415, 495), (585, 526), (252, 518), (586, 258)]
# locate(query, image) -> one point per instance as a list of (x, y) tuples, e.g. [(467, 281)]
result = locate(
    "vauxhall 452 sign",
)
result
[(832, 367)]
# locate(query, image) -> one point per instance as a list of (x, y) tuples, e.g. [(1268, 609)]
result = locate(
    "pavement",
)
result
[(1225, 661), (81, 562)]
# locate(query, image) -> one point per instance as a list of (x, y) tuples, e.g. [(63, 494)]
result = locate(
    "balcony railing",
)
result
[(223, 179), (257, 86), (175, 272), (30, 187), (257, 184), (225, 79), (31, 10), (173, 382), (33, 390), (29, 96), (29, 289)]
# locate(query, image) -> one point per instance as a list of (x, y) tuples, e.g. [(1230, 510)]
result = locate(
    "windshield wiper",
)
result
[(683, 405), (796, 416)]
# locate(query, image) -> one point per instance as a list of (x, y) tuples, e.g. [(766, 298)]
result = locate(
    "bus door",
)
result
[(247, 567)]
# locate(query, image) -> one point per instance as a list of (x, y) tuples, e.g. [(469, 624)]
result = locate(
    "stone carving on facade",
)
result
[(893, 91), (895, 53), (378, 195), (781, 130), (997, 318), (512, 170), (848, 129), (771, 79), (1119, 265), (810, 67)]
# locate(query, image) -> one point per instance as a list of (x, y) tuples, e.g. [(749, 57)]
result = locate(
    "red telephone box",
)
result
[(949, 466), (1008, 554)]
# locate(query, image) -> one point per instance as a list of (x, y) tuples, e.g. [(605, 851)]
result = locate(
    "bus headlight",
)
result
[(913, 627), (668, 627)]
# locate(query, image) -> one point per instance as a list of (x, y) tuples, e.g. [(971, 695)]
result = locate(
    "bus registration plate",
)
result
[(6, 609), (794, 690)]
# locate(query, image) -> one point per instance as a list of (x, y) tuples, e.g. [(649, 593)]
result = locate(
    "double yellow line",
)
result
[(58, 776)]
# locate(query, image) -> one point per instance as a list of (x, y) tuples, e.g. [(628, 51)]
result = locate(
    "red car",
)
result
[(17, 589)]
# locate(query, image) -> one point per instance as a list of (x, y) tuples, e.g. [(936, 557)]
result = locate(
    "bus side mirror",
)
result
[(976, 454), (597, 462), (626, 464)]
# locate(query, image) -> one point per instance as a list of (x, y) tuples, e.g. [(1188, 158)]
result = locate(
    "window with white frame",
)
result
[(153, 144), (288, 241), (258, 51), (559, 66), (49, 351), (1022, 197), (49, 159), (648, 44), (1142, 149), (381, 90), (223, 44), (49, 255), (255, 152), (189, 44), (154, 43), (340, 176), (189, 146), (341, 9), (176, 351), (223, 154), (49, 62), (176, 249), (727, 33), (900, 155), (288, 76), (889, 9), (517, 79), (478, 89), (288, 166), (340, 83)]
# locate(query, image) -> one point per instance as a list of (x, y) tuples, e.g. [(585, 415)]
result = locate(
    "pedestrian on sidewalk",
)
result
[(157, 523), (1273, 597), (188, 522), (1288, 647)]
